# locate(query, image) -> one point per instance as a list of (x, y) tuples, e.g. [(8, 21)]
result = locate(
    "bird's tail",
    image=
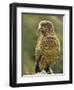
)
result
[(37, 68)]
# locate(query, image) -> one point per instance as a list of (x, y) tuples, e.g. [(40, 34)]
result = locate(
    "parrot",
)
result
[(47, 49)]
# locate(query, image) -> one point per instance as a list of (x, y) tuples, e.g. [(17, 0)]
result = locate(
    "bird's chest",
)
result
[(47, 43)]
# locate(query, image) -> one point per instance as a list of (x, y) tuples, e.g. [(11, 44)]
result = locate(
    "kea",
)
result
[(47, 49)]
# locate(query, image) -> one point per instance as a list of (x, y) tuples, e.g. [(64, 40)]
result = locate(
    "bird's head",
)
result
[(46, 27)]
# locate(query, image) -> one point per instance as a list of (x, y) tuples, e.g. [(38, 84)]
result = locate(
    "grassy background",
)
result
[(30, 35)]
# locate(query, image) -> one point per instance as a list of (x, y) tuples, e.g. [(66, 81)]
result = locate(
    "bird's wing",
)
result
[(38, 50), (37, 54)]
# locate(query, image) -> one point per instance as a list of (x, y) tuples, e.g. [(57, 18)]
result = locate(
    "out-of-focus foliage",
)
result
[(30, 35)]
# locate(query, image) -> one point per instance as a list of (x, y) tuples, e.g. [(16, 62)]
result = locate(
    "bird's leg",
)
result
[(47, 70), (51, 71)]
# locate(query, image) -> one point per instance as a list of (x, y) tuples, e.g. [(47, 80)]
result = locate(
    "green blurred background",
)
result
[(30, 34)]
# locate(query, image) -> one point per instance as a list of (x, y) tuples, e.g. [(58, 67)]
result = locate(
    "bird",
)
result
[(47, 49)]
